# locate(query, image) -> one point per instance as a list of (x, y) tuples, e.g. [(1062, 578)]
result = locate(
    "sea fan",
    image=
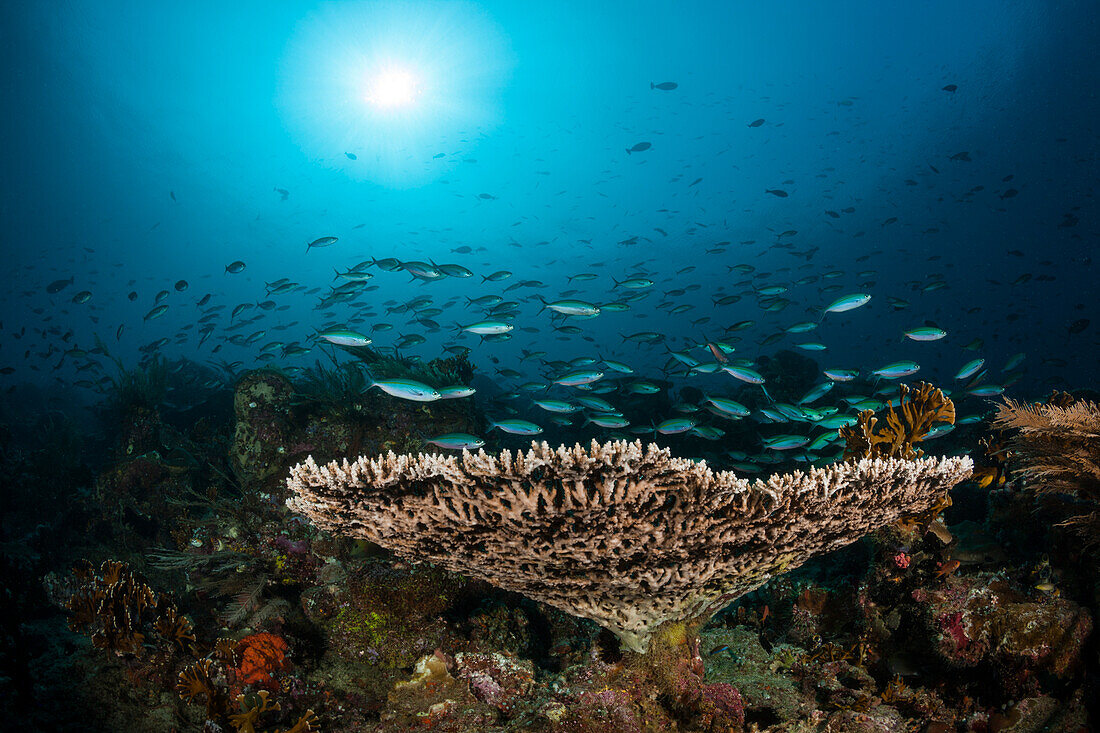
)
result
[(1058, 446)]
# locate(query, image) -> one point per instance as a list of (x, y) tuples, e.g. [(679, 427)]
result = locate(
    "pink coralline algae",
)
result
[(292, 547), (496, 679), (952, 624)]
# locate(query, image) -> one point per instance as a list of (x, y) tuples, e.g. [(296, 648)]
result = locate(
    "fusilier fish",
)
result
[(344, 337), (456, 441), (848, 302), (407, 389)]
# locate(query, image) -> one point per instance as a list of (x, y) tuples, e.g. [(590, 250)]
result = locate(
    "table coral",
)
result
[(627, 536)]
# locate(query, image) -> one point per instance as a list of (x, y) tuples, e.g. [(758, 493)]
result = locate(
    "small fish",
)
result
[(321, 242), (757, 123), (676, 425), (58, 285), (618, 366), (925, 333), (607, 420), (841, 375), (986, 390), (816, 393), (634, 283), (897, 370), (344, 337), (516, 427), (578, 377), (235, 267), (638, 147), (132, 296), (1078, 326), (951, 87), (456, 441), (745, 374), (785, 442), (157, 312), (970, 369), (485, 328), (571, 307), (836, 422), (181, 285), (776, 192), (560, 406), (82, 297), (352, 156), (848, 302), (406, 389), (665, 86)]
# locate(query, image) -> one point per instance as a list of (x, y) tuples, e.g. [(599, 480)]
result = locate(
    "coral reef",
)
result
[(628, 537)]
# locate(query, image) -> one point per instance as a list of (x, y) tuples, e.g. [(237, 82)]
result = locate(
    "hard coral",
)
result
[(631, 538), (916, 413)]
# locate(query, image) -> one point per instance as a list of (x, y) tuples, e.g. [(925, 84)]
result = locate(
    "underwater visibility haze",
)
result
[(804, 291)]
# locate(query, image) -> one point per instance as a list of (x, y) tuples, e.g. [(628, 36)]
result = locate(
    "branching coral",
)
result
[(1058, 445), (118, 611), (917, 411), (629, 537)]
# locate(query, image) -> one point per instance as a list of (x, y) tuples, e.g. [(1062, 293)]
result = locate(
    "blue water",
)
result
[(147, 143)]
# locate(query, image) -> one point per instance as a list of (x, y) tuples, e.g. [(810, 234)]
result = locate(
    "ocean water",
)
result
[(628, 209)]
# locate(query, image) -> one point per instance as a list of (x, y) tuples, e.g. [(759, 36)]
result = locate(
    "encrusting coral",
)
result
[(627, 536), (1059, 446)]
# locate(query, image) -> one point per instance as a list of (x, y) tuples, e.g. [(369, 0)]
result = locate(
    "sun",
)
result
[(393, 88)]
